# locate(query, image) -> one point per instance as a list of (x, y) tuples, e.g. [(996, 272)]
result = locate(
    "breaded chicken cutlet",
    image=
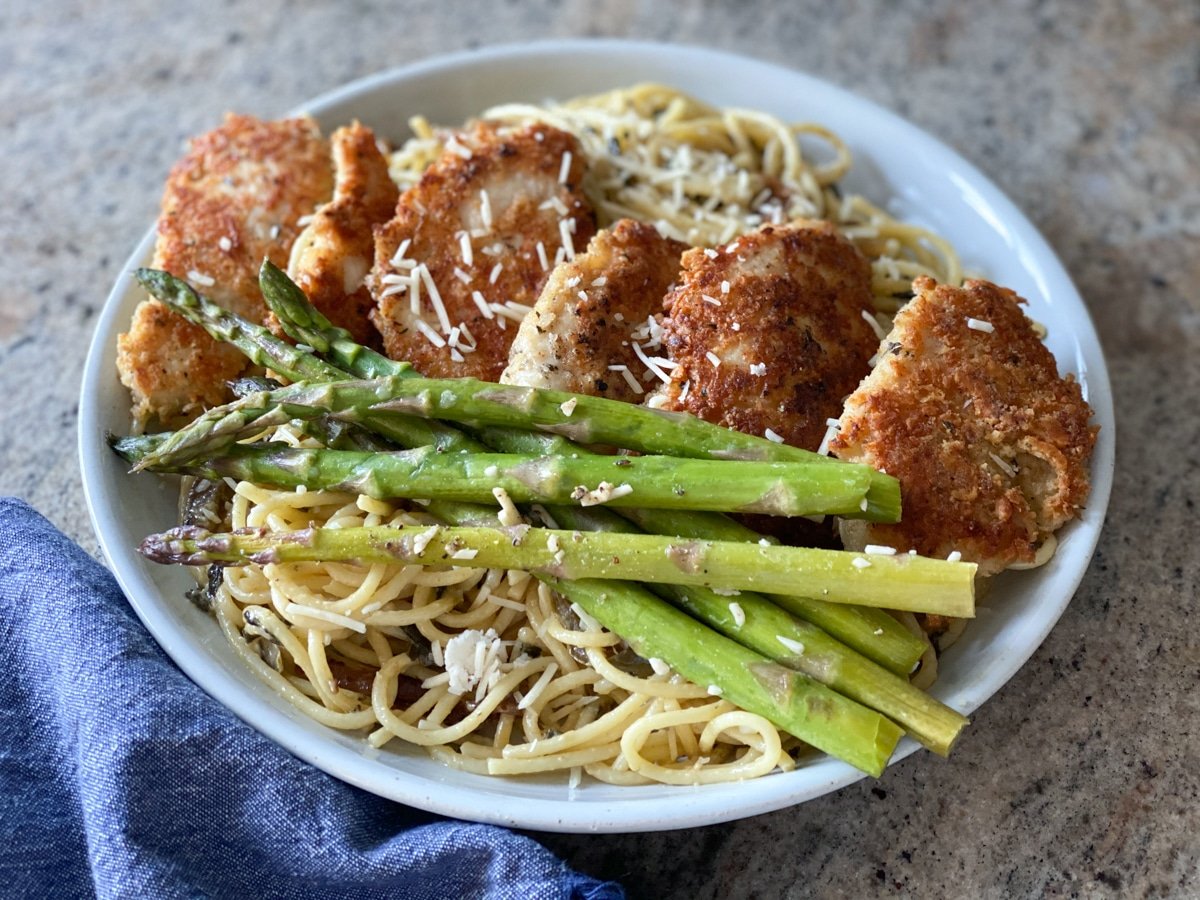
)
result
[(770, 333), (235, 198), (580, 330), (966, 408), (332, 256), (481, 228)]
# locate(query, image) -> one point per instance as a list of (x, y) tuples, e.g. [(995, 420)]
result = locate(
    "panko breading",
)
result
[(332, 256), (582, 323), (502, 192), (234, 199), (967, 409), (769, 331)]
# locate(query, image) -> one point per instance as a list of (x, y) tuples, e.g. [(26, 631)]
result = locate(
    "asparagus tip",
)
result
[(180, 545)]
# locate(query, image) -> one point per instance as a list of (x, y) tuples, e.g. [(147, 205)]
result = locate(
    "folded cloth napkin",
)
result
[(121, 778)]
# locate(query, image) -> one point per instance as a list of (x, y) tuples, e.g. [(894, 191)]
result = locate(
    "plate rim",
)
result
[(689, 806)]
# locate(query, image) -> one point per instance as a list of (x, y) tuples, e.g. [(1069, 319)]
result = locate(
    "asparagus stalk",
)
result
[(756, 622), (579, 417), (786, 489), (910, 583), (789, 699), (870, 631), (265, 349), (255, 341)]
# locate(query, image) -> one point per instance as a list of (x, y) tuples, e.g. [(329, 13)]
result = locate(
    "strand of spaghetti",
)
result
[(383, 693), (544, 618), (357, 653), (447, 756), (526, 766), (563, 684), (578, 716), (831, 172), (426, 595), (682, 733), (414, 712), (743, 726), (610, 775), (649, 687), (416, 615), (265, 619), (227, 612), (322, 678), (392, 588), (503, 732), (477, 751), (611, 723), (751, 765), (434, 719), (572, 638)]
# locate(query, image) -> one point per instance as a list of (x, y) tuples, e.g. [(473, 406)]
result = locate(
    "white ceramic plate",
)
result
[(916, 176)]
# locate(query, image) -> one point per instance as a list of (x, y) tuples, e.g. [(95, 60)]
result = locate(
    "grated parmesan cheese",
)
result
[(980, 325), (509, 514), (421, 541), (792, 645), (473, 658)]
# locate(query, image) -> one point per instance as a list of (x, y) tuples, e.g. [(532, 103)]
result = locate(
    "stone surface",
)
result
[(1081, 777)]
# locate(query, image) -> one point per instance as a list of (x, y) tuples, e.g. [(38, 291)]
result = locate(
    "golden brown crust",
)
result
[(173, 368), (795, 303), (333, 255), (519, 169), (579, 328), (989, 443), (234, 198)]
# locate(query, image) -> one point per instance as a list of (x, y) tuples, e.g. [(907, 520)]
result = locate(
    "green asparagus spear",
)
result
[(895, 582), (255, 341), (265, 349), (784, 489), (789, 699)]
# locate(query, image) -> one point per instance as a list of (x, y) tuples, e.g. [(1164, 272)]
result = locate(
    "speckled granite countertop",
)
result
[(1083, 775)]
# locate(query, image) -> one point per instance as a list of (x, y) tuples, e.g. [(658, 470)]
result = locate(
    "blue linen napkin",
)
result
[(121, 778)]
